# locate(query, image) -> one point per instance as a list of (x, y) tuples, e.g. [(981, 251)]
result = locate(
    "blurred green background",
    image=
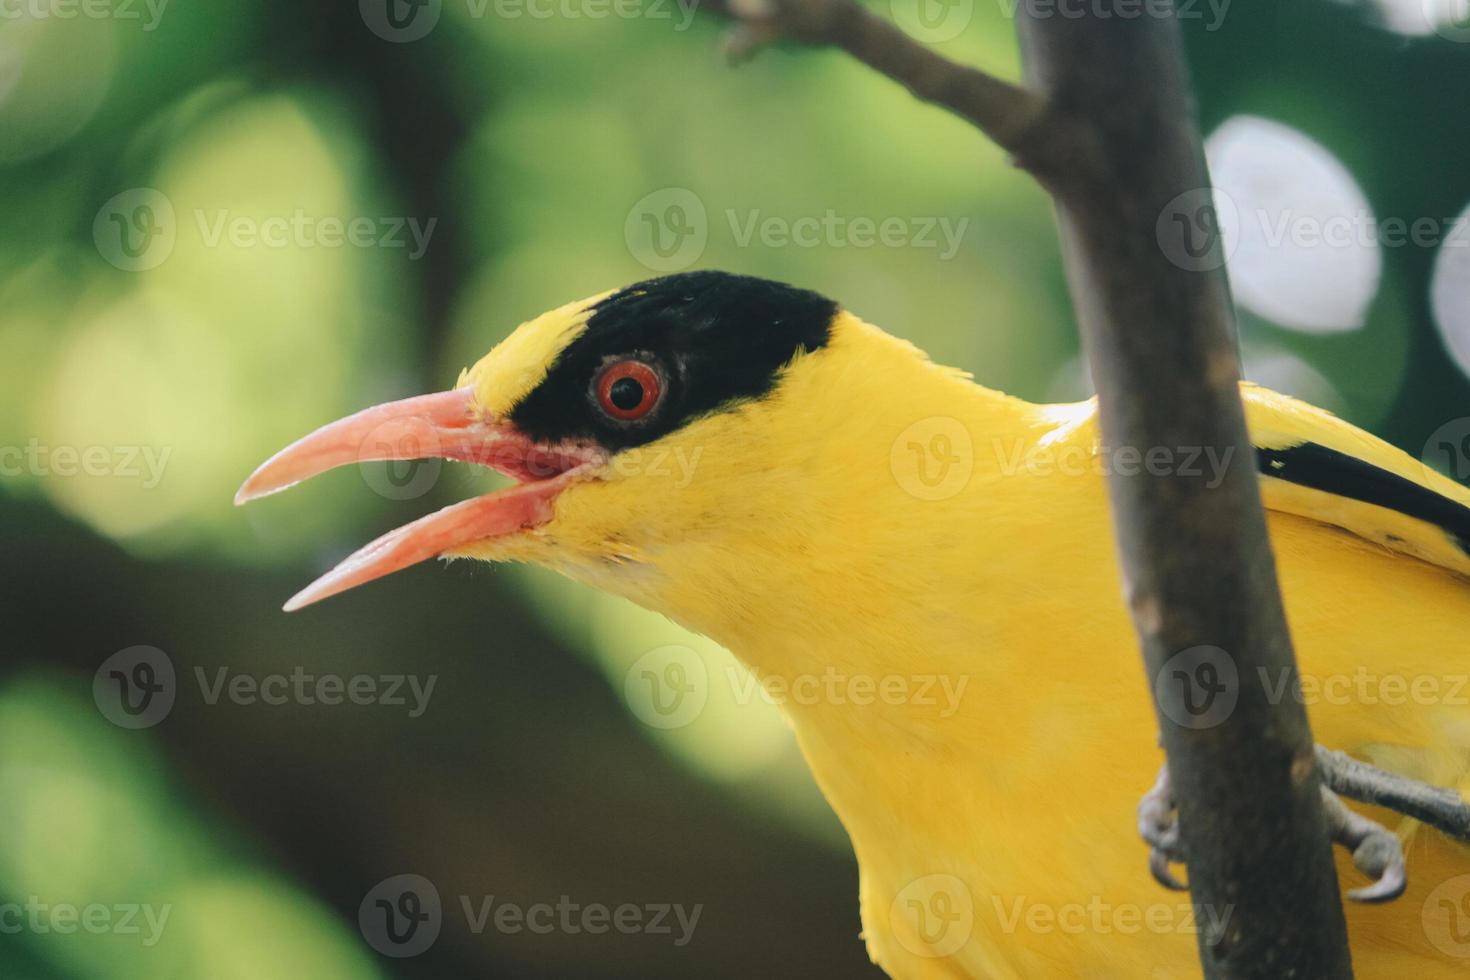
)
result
[(175, 306)]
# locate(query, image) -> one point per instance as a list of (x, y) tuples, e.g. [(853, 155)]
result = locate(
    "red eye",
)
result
[(628, 390)]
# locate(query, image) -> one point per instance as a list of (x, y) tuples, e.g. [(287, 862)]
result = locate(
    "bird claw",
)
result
[(1158, 866), (1158, 825), (1376, 850)]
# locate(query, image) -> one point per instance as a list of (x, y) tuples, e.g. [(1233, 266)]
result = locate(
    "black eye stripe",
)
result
[(713, 338)]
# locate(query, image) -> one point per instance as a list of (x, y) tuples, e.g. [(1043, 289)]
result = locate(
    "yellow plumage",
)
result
[(881, 517), (927, 569)]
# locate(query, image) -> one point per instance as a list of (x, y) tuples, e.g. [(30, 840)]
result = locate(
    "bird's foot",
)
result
[(1158, 825), (1443, 809), (1376, 850)]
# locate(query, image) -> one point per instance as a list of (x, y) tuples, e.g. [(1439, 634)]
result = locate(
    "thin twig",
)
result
[(1002, 110)]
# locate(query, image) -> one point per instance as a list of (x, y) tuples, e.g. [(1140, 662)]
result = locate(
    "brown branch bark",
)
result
[(1108, 126), (1159, 332), (1001, 110)]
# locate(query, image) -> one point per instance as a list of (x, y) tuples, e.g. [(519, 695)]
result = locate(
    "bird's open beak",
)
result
[(446, 425)]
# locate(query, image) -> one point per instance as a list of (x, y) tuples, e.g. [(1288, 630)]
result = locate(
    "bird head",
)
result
[(648, 430)]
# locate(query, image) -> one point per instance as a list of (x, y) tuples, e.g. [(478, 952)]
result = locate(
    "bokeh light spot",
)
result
[(1449, 291), (1421, 18), (54, 74), (1307, 256)]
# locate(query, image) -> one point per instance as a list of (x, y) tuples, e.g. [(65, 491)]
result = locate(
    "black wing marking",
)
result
[(1319, 468)]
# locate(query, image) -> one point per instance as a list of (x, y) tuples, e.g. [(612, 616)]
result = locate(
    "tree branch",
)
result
[(1005, 112), (1200, 579), (1109, 129)]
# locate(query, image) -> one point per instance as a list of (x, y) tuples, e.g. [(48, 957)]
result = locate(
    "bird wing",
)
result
[(1317, 466)]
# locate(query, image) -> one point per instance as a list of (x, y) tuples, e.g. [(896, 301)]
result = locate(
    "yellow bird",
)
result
[(933, 562)]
